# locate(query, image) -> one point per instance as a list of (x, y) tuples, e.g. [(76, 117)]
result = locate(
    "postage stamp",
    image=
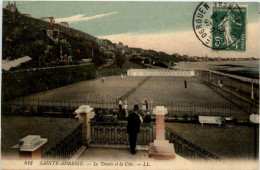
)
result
[(221, 26)]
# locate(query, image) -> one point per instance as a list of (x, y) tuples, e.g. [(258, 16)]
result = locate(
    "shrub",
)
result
[(185, 117)]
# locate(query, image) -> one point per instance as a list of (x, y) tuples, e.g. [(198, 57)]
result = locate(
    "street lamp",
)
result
[(252, 90)]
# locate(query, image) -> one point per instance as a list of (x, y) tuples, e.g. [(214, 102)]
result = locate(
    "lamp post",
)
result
[(252, 90)]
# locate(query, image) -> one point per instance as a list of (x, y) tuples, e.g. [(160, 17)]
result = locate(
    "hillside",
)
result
[(25, 36), (159, 59)]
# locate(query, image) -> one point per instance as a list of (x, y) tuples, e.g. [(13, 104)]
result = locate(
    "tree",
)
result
[(98, 60), (39, 47), (136, 60), (22, 51), (147, 60), (65, 50), (38, 51), (120, 60), (49, 53)]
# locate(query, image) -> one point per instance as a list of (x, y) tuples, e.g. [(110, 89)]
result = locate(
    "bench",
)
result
[(211, 120)]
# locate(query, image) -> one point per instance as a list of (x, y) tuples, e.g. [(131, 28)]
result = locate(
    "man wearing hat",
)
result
[(133, 127)]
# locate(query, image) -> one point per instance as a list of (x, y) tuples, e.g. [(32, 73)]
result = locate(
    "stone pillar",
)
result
[(30, 147), (30, 155), (83, 113), (161, 148), (160, 127)]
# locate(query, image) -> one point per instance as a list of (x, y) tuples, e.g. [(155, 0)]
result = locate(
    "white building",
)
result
[(48, 19), (64, 24)]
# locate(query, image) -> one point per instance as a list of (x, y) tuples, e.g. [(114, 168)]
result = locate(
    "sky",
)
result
[(161, 26)]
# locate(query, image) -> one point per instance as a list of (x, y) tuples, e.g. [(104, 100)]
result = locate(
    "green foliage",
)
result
[(17, 84), (38, 49), (136, 60), (114, 70), (23, 50), (147, 61), (98, 60), (65, 50), (24, 36), (120, 60)]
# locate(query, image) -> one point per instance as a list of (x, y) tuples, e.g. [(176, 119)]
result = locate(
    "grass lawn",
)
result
[(15, 128), (235, 142)]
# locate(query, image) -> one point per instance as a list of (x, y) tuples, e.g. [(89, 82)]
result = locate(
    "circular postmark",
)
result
[(219, 25)]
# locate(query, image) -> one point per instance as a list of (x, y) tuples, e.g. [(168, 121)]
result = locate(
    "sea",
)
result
[(248, 68)]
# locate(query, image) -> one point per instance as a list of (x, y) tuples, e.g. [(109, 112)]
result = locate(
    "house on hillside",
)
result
[(120, 45), (52, 30), (195, 58), (119, 50), (50, 33), (55, 34), (60, 38), (99, 42), (12, 7), (48, 19), (106, 46), (185, 56), (111, 47), (126, 49), (64, 24)]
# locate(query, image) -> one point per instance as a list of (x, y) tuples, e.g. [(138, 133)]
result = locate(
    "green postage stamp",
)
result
[(221, 26), (230, 25)]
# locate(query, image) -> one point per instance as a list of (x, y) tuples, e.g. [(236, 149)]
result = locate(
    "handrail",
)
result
[(66, 147), (236, 76), (192, 145)]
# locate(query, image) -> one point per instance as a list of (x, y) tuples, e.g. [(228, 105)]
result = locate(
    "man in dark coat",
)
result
[(133, 127)]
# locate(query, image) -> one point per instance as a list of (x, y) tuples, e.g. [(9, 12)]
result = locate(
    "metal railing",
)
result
[(66, 147), (192, 110), (115, 133), (238, 91), (187, 149), (174, 110), (236, 77), (35, 110)]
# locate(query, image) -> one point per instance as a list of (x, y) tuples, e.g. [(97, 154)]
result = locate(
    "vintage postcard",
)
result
[(130, 85)]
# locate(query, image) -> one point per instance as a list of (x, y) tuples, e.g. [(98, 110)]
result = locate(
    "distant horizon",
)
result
[(159, 26)]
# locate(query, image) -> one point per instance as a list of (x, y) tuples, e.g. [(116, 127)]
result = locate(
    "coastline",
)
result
[(240, 68)]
